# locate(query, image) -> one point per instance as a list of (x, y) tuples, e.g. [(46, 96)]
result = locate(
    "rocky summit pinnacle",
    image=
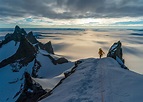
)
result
[(48, 47), (25, 53), (31, 38), (18, 32), (116, 53)]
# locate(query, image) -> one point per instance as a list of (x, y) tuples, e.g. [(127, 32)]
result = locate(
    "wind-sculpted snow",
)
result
[(99, 80)]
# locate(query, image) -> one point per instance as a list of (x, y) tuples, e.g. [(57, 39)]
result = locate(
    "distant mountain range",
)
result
[(30, 71)]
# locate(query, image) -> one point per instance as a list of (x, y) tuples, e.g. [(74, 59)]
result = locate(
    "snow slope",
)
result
[(50, 74), (8, 50), (12, 82), (99, 80), (48, 67)]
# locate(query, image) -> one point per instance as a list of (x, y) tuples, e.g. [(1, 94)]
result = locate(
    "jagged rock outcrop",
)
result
[(61, 60), (116, 52), (31, 91), (18, 32), (25, 54), (35, 68), (31, 38), (16, 36), (57, 61), (48, 47)]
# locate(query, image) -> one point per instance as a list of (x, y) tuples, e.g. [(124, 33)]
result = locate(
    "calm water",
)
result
[(75, 44)]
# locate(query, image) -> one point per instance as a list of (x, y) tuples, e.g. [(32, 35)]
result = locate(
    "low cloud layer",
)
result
[(71, 9)]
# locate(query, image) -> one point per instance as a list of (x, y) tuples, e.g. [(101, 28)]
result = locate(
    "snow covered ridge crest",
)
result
[(31, 69), (99, 80), (26, 64)]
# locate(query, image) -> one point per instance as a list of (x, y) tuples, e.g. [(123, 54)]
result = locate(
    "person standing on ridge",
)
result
[(100, 53)]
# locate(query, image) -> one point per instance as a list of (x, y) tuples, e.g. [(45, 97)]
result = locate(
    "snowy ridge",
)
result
[(27, 71), (31, 71), (49, 75), (99, 80)]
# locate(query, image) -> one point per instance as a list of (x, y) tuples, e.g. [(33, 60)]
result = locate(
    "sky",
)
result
[(70, 13)]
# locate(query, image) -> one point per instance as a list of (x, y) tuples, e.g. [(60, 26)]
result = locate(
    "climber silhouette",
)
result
[(100, 53)]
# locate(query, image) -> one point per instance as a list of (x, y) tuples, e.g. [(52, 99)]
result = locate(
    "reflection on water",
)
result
[(77, 44)]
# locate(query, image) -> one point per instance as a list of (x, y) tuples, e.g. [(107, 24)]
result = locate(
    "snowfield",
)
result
[(50, 74), (12, 81), (8, 50), (99, 80), (48, 69)]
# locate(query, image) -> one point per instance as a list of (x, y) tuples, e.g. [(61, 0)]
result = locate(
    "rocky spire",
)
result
[(25, 53), (18, 32), (31, 38), (116, 52), (48, 47)]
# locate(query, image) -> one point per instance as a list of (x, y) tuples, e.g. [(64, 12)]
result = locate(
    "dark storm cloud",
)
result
[(21, 8), (72, 8)]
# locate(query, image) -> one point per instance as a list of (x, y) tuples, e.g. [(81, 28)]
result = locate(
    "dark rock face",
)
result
[(31, 38), (32, 91), (116, 52), (16, 36), (61, 60), (35, 68), (48, 47), (57, 61), (18, 32), (25, 54)]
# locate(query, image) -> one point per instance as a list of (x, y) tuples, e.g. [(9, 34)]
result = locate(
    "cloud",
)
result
[(130, 22), (67, 9), (71, 12)]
